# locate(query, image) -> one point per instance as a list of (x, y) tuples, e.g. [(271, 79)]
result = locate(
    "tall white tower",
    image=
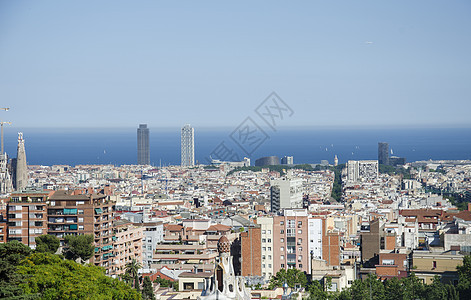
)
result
[(21, 168), (188, 146)]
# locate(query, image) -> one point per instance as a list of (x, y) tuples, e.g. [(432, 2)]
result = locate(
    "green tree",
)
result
[(293, 277), (51, 277), (147, 289), (436, 290), (464, 282), (132, 269), (47, 243), (317, 291), (11, 254), (79, 246)]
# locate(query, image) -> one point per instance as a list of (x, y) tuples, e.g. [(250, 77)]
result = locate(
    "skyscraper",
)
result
[(383, 153), (188, 146), (143, 153), (21, 169)]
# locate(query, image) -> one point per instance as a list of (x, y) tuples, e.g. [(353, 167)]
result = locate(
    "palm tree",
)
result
[(132, 268)]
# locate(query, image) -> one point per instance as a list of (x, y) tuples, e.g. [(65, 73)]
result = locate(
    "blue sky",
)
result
[(210, 63)]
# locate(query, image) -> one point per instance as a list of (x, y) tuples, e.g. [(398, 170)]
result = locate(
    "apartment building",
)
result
[(128, 241), (251, 254), (26, 215), (72, 213), (290, 241), (267, 249)]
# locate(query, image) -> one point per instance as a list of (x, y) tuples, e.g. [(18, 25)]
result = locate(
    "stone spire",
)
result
[(21, 169)]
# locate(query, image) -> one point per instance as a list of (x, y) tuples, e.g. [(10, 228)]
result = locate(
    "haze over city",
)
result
[(208, 63)]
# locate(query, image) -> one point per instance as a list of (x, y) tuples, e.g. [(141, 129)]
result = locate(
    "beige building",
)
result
[(128, 241), (427, 264)]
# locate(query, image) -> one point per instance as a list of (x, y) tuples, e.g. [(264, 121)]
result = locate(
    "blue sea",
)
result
[(119, 146)]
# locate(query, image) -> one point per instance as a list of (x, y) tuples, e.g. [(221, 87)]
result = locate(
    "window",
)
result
[(388, 261), (300, 223), (282, 223), (80, 227), (434, 264), (300, 249), (282, 231), (282, 257), (269, 265), (269, 256), (300, 266), (300, 241), (80, 220), (291, 223), (300, 231), (282, 265), (300, 258), (269, 248), (269, 231), (269, 240), (80, 211), (264, 249), (80, 202), (263, 266), (52, 203), (264, 240), (282, 249), (282, 240), (264, 232), (263, 257)]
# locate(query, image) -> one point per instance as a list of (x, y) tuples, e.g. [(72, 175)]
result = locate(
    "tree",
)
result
[(79, 246), (11, 254), (132, 269), (464, 282), (317, 291), (50, 277), (147, 289), (47, 243), (293, 277)]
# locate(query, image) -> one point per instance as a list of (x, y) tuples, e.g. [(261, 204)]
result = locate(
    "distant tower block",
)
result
[(383, 153), (21, 168), (143, 151), (188, 146), (336, 161)]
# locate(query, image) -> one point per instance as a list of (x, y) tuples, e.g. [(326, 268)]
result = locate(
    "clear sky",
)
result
[(210, 63)]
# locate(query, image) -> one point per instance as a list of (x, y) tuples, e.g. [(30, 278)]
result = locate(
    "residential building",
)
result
[(69, 212), (291, 241), (362, 170), (267, 248), (26, 215), (286, 193), (287, 160), (251, 254), (127, 246)]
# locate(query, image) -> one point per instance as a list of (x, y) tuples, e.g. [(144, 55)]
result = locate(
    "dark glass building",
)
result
[(143, 153), (383, 153), (267, 161)]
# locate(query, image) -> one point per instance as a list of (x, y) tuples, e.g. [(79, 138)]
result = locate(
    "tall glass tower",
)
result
[(188, 146), (143, 153), (383, 153)]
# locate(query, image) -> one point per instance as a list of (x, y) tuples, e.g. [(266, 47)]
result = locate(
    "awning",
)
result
[(98, 211)]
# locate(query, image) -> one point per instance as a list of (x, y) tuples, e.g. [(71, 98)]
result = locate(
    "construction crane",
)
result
[(1, 124)]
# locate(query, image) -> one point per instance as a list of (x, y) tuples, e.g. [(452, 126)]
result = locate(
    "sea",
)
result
[(118, 146)]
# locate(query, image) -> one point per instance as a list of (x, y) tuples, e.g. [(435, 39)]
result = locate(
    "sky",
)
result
[(212, 63)]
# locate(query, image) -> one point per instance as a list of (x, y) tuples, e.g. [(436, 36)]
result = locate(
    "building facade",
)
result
[(143, 150), (286, 192), (383, 153), (79, 214), (26, 215), (188, 146)]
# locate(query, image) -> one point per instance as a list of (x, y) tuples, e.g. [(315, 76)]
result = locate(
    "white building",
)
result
[(188, 146), (286, 192), (362, 170), (315, 238), (266, 224)]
